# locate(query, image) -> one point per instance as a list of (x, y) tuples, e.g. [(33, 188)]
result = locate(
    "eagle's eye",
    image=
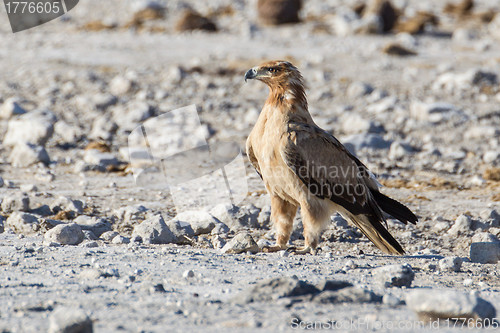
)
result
[(272, 70)]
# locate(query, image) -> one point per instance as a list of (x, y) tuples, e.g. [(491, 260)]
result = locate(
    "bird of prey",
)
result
[(304, 166)]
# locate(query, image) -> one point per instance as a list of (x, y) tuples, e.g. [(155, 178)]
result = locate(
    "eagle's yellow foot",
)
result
[(274, 248), (303, 250)]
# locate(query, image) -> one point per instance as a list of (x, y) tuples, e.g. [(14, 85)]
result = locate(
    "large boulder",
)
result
[(34, 127), (65, 234), (275, 12), (154, 231)]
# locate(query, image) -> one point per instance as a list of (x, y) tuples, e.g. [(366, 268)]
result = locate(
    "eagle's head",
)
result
[(275, 73)]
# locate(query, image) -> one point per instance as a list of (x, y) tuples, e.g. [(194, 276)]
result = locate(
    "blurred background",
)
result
[(410, 86)]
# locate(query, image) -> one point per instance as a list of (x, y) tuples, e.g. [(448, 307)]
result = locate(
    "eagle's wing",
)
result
[(253, 159), (330, 172), (327, 168)]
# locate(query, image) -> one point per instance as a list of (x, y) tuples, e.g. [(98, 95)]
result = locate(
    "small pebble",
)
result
[(188, 274), (350, 264), (390, 300)]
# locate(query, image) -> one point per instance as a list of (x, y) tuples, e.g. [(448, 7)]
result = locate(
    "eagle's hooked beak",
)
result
[(251, 74)]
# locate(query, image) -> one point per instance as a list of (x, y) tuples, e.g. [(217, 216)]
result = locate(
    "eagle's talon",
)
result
[(303, 250), (270, 249)]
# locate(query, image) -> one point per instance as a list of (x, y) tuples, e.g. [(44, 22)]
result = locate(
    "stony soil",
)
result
[(428, 125)]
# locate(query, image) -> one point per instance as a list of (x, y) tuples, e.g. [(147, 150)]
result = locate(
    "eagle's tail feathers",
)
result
[(371, 227), (394, 208)]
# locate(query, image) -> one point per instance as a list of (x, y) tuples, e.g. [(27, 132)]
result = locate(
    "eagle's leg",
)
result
[(314, 220), (282, 214)]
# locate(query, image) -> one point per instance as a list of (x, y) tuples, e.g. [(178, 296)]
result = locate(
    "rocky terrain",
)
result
[(95, 235)]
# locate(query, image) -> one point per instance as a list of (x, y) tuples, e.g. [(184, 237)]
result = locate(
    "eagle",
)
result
[(304, 166)]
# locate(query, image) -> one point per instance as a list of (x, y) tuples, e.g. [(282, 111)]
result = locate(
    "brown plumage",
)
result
[(304, 166)]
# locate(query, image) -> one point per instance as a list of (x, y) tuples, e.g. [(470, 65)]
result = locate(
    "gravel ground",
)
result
[(74, 90)]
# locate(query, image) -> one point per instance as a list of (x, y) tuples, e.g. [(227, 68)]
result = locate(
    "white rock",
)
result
[(218, 242), (120, 240), (494, 27), (462, 226), (96, 157), (384, 105), (407, 40), (236, 218), (22, 223), (25, 154), (495, 231), (284, 254), (492, 157), (468, 282), (344, 22), (188, 274), (97, 225), (182, 230), (369, 24), (264, 243), (378, 96), (42, 210), (491, 216), (395, 275), (120, 85), (89, 244), (442, 304), (16, 202), (485, 252), (130, 214), (450, 264), (89, 235), (353, 123), (70, 320), (462, 35), (154, 231), (201, 222), (65, 234), (134, 113), (432, 112), (398, 150), (391, 300), (264, 217), (103, 101), (25, 188), (67, 133), (476, 180), (484, 237), (35, 127), (146, 4), (365, 140), (350, 264), (11, 108), (109, 235), (451, 82), (67, 204), (358, 89), (175, 75), (242, 242), (103, 128), (440, 226), (481, 132)]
